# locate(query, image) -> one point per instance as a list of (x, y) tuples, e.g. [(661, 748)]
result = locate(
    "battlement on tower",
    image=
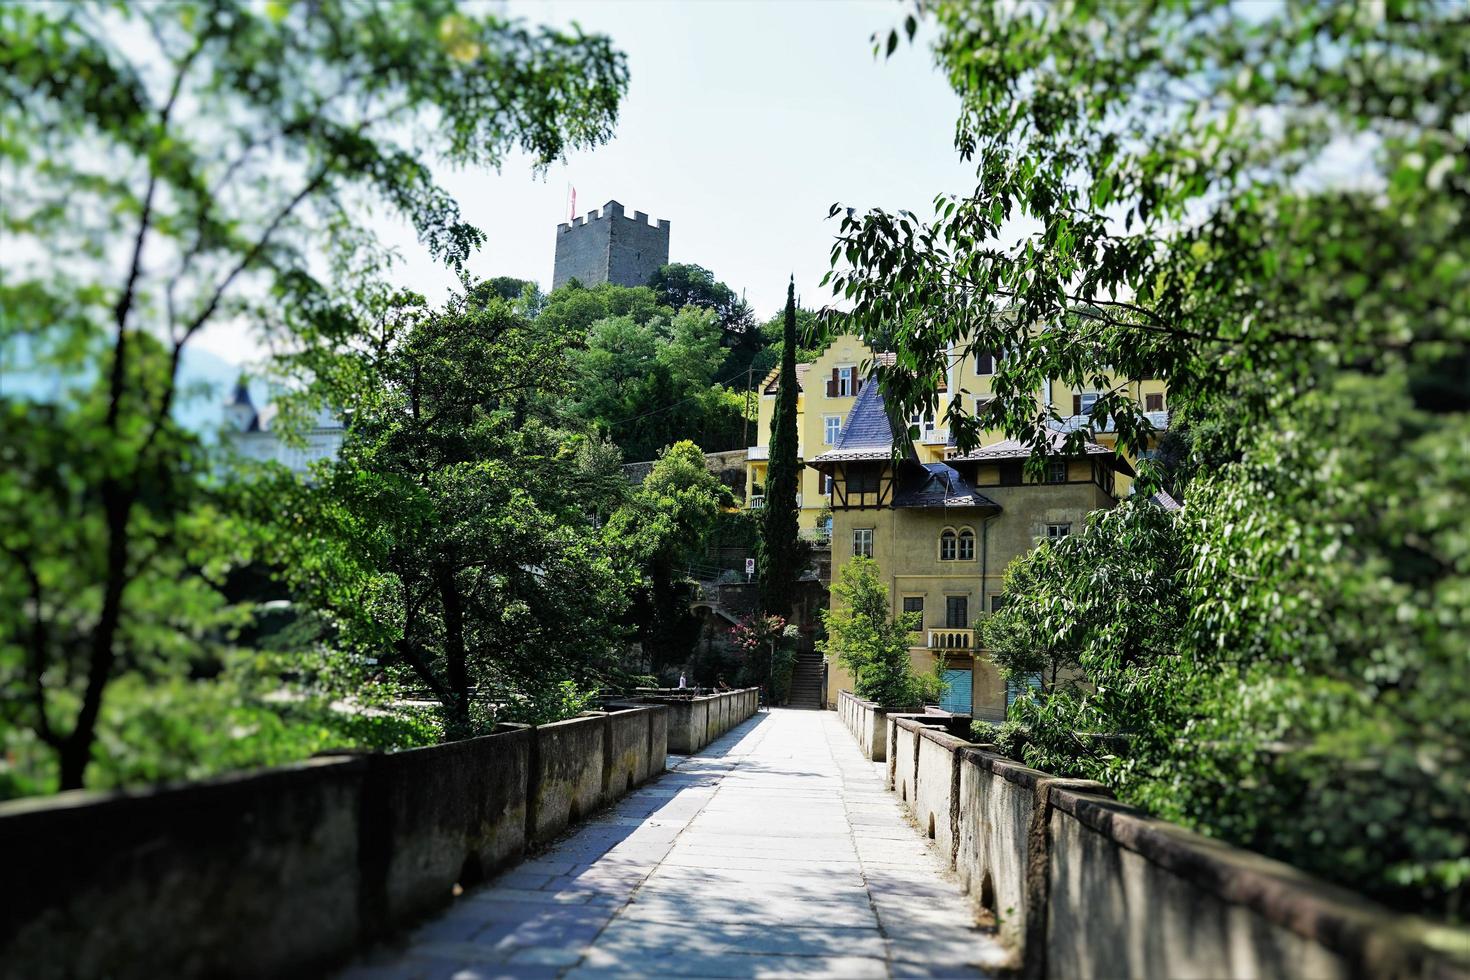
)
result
[(605, 245)]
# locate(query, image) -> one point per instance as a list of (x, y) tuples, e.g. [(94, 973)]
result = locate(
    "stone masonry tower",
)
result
[(607, 246)]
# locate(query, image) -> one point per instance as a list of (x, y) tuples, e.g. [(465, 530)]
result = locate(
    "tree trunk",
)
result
[(454, 651)]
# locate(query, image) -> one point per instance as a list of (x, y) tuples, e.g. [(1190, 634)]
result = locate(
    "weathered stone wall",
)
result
[(1084, 886), (694, 721), (286, 871), (867, 720)]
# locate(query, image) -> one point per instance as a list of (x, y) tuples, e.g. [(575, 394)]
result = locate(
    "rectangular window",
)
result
[(1154, 402), (957, 612), (844, 382), (862, 481), (827, 483), (915, 604), (1056, 472), (831, 429), (862, 541), (985, 363), (1010, 473), (997, 602), (981, 403), (1083, 402), (1054, 531)]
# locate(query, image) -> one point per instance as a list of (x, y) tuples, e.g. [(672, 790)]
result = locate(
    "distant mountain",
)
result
[(206, 382)]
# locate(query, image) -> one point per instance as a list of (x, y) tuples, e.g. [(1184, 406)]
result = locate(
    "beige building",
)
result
[(943, 526), (829, 386)]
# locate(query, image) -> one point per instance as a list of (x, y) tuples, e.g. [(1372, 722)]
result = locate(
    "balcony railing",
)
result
[(951, 639), (758, 501), (817, 535)]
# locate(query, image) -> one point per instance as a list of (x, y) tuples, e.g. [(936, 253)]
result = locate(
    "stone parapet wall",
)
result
[(694, 721), (867, 720), (1084, 886), (289, 870)]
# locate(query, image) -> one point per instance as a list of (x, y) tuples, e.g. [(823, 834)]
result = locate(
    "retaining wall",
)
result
[(1084, 886), (290, 870), (694, 721)]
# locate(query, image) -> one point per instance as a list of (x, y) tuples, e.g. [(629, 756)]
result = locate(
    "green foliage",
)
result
[(660, 530), (643, 373), (781, 556), (871, 645), (1265, 209), (1010, 737), (170, 167), (1335, 621), (448, 540), (1097, 618)]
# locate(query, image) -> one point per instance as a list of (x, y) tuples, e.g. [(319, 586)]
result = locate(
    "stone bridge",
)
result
[(775, 851)]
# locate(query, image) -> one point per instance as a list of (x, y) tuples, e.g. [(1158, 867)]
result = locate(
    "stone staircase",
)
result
[(806, 681)]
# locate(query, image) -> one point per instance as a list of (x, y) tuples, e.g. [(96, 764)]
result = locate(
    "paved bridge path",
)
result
[(774, 852)]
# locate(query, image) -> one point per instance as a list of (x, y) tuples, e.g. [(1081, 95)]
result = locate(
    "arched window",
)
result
[(967, 544), (947, 545)]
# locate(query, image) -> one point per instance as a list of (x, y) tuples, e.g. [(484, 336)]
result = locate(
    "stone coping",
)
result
[(1373, 940), (286, 869), (1340, 919)]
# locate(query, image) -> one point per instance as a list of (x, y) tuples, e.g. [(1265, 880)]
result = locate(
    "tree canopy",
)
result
[(1263, 207), (172, 168)]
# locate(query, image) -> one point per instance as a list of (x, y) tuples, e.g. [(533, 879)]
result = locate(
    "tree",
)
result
[(460, 555), (679, 285), (1183, 192), (1265, 209), (871, 644), (659, 531), (1090, 629), (780, 556), (174, 167)]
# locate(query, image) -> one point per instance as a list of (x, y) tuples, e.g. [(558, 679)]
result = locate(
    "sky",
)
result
[(743, 123)]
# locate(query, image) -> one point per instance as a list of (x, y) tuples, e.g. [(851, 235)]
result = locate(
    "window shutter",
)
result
[(1076, 404), (832, 384), (857, 385)]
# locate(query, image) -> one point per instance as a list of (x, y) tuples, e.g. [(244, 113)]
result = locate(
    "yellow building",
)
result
[(828, 387), (826, 390), (944, 526)]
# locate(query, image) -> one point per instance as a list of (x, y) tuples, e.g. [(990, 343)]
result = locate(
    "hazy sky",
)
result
[(743, 122)]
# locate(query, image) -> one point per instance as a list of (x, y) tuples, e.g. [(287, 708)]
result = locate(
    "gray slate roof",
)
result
[(943, 487), (867, 432)]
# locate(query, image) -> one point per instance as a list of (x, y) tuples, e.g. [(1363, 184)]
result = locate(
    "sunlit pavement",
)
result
[(774, 852)]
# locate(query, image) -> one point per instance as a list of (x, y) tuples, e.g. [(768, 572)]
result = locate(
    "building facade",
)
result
[(943, 533), (829, 386), (248, 434), (607, 246), (942, 526)]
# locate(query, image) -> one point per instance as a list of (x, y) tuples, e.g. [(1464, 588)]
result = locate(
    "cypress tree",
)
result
[(780, 554)]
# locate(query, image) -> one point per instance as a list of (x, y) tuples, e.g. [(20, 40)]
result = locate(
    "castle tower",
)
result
[(607, 246)]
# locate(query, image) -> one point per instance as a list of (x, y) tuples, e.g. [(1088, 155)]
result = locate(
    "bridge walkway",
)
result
[(773, 852)]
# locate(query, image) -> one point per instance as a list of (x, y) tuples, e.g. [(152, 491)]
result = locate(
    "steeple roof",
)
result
[(867, 432)]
